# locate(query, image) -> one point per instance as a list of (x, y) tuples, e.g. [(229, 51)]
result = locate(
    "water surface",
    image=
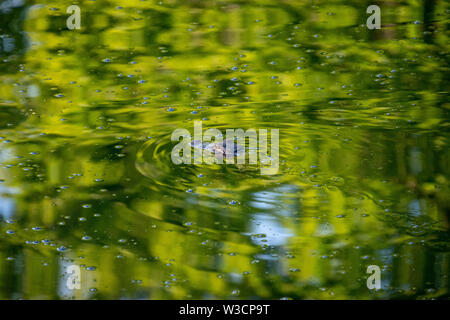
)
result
[(86, 177)]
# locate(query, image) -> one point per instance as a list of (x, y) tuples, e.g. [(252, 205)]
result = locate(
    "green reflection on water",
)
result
[(85, 124)]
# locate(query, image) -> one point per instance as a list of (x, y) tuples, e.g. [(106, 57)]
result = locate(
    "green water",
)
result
[(86, 176)]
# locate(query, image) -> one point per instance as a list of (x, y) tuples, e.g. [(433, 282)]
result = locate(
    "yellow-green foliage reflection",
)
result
[(86, 177)]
